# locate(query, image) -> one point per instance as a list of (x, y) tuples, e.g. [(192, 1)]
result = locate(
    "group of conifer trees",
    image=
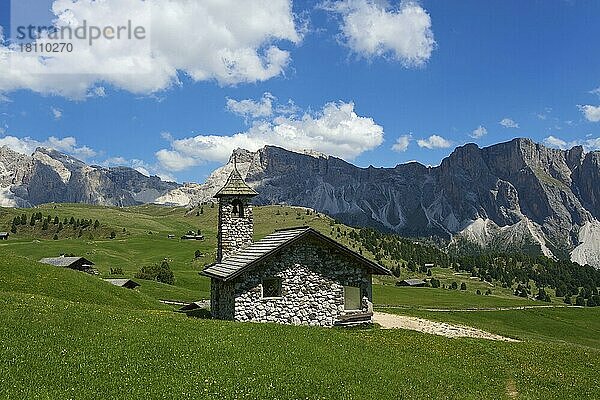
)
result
[(53, 223), (572, 282)]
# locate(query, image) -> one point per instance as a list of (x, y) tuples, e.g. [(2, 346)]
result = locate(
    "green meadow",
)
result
[(66, 334), (575, 326)]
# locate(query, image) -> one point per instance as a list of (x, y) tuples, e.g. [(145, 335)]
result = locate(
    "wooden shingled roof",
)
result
[(126, 283), (235, 186), (64, 261), (247, 258)]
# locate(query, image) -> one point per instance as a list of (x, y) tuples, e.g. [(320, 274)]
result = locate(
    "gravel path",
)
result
[(392, 321)]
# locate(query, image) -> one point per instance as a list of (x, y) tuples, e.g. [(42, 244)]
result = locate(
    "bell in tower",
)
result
[(236, 224)]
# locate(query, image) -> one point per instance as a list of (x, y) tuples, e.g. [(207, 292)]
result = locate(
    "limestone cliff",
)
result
[(510, 196), (50, 176)]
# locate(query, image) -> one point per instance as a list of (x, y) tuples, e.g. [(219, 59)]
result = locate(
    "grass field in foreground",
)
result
[(57, 349), (66, 334)]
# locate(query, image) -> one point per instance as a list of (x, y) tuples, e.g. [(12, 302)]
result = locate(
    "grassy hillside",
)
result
[(59, 349), (142, 239), (20, 275), (66, 334)]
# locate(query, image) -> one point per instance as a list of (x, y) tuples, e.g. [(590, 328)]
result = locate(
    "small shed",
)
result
[(171, 236), (76, 263), (4, 235), (412, 283), (429, 265), (125, 283)]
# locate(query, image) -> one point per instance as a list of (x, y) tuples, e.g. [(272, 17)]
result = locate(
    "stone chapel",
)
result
[(292, 276)]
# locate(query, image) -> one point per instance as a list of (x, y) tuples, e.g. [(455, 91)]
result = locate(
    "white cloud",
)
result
[(591, 113), (596, 91), (589, 144), (508, 123), (228, 41), (66, 145), (114, 161), (544, 114), (57, 113), (140, 166), (479, 132), (335, 130), (251, 108), (167, 136), (371, 28), (402, 143), (592, 144), (553, 141), (434, 142), (98, 91)]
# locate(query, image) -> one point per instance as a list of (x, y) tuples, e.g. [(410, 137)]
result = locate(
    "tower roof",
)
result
[(235, 186)]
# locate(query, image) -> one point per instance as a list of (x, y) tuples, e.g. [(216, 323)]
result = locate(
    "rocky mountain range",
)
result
[(50, 176), (517, 195)]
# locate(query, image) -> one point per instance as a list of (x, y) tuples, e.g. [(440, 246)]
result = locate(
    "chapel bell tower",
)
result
[(236, 224)]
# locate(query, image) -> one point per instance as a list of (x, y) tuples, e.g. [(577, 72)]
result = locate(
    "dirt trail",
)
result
[(392, 321)]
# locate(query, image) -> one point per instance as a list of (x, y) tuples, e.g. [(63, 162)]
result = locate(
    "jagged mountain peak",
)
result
[(51, 176), (511, 194)]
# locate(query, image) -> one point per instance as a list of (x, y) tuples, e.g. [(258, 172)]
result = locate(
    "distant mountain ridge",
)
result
[(517, 195), (49, 176), (510, 196)]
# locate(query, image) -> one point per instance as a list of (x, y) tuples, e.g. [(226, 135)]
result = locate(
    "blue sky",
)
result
[(533, 64)]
